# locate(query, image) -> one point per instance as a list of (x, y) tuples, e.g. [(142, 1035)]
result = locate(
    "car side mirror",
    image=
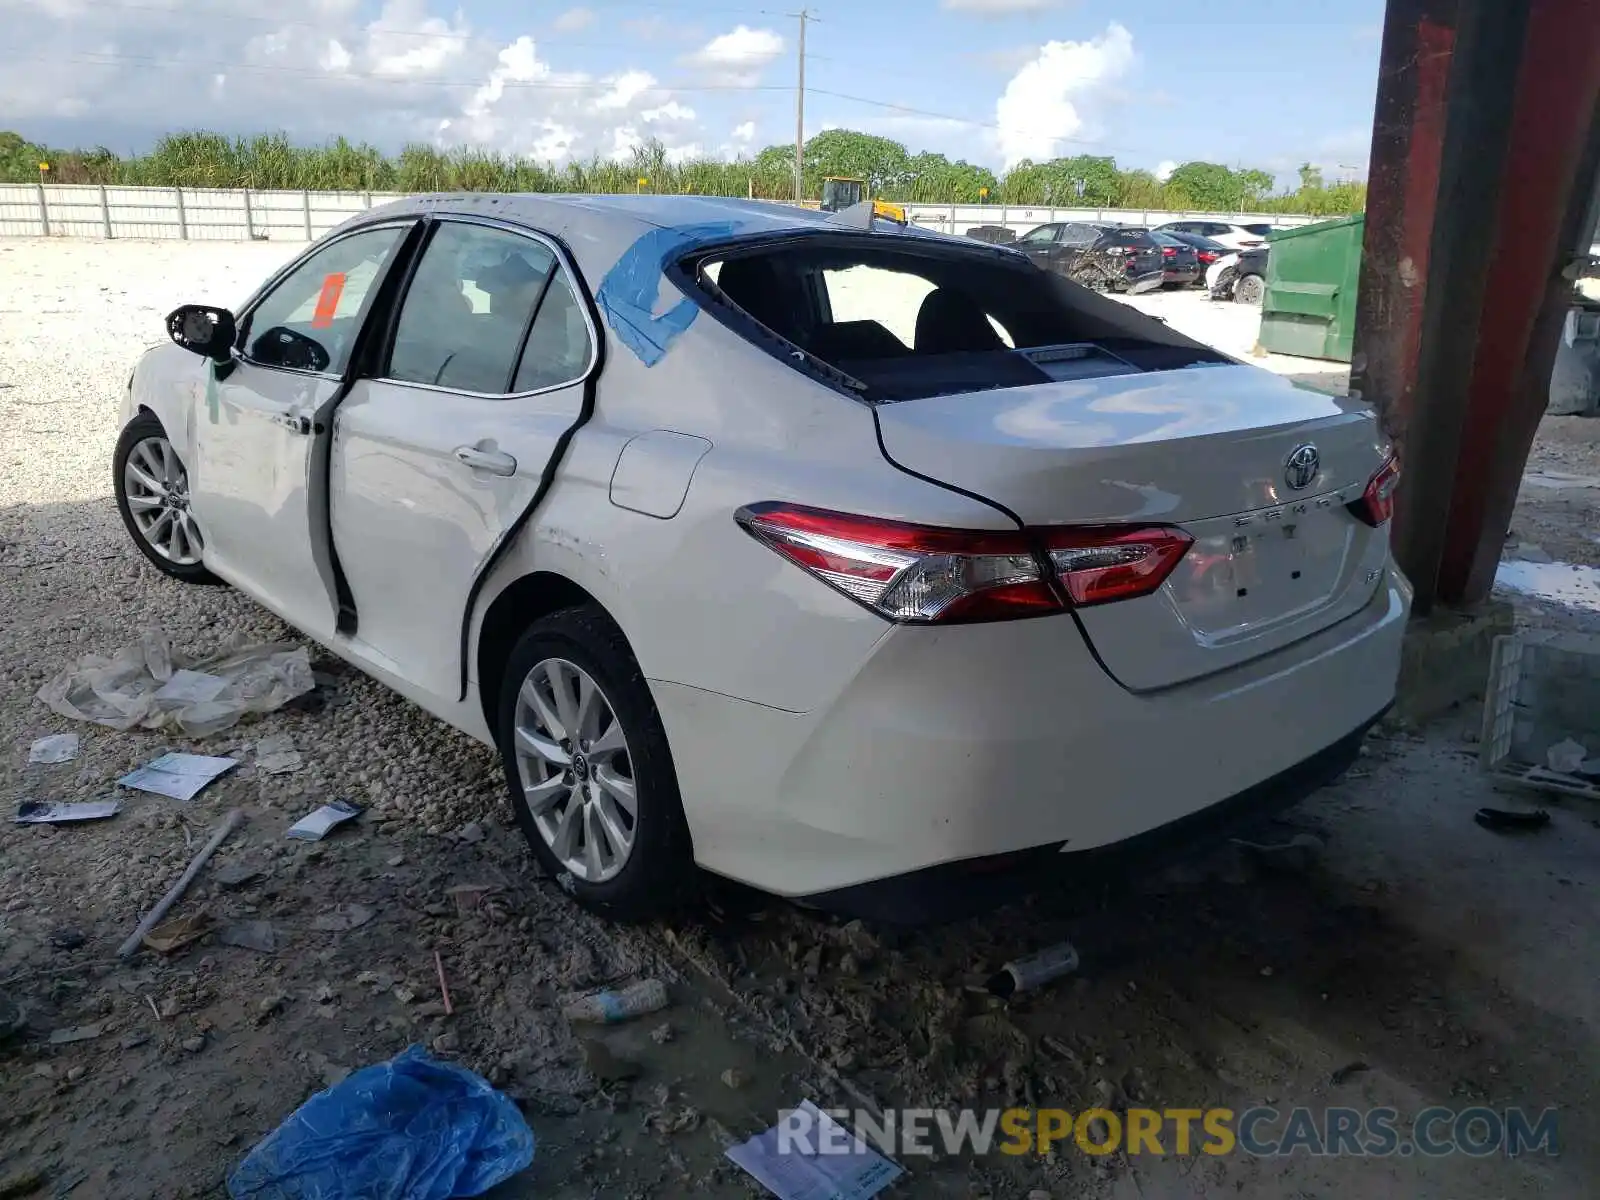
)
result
[(203, 330)]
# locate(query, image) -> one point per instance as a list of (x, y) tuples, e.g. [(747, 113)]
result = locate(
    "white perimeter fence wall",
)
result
[(220, 214)]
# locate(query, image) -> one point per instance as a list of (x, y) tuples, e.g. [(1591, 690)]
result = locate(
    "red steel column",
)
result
[(1547, 211), (1483, 172)]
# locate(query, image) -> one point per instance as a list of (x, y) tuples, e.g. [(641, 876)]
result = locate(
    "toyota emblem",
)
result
[(1300, 468)]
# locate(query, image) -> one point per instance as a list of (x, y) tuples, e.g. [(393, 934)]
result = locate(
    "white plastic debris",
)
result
[(148, 686), (1566, 756), (810, 1156), (180, 776), (313, 827), (53, 812), (56, 748)]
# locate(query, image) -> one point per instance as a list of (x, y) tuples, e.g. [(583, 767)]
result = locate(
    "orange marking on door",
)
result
[(328, 301)]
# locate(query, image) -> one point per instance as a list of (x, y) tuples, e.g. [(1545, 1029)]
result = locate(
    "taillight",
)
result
[(1168, 252), (921, 574), (1376, 505), (1098, 565)]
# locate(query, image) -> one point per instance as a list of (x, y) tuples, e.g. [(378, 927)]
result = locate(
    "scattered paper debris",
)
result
[(149, 686), (313, 827), (825, 1162), (178, 932), (342, 917), (56, 748), (250, 935), (179, 776), (276, 755), (78, 1033), (53, 812)]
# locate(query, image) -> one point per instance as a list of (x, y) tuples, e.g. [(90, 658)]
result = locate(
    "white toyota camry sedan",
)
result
[(840, 558)]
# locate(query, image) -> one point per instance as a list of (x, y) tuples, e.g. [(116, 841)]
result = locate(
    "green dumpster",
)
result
[(1310, 304)]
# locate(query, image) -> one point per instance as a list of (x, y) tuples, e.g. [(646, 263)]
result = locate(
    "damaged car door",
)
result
[(437, 458), (262, 423)]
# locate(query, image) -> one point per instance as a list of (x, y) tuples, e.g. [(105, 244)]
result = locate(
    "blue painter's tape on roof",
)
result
[(627, 294)]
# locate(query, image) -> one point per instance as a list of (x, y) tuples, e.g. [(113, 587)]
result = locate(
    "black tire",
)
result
[(658, 874), (143, 426), (1249, 289)]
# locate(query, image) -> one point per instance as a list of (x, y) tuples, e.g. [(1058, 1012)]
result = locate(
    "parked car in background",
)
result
[(1261, 230), (1234, 237), (1180, 265), (768, 579), (1106, 258), (1206, 251), (1240, 277), (994, 235)]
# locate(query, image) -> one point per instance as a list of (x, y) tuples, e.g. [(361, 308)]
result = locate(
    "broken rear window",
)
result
[(896, 318)]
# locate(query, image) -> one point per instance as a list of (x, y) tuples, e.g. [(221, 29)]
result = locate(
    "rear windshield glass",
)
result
[(902, 322)]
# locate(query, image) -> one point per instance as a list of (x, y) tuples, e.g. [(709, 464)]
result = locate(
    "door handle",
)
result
[(495, 462)]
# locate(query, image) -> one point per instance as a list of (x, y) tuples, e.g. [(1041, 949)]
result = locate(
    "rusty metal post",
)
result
[(1465, 184)]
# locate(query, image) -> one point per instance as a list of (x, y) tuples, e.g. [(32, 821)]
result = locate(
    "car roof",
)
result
[(598, 229)]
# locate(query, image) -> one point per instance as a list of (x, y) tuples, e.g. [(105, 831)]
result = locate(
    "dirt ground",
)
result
[(1417, 960)]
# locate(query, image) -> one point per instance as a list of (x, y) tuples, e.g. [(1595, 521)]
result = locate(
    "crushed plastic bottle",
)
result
[(609, 1007), (1025, 974)]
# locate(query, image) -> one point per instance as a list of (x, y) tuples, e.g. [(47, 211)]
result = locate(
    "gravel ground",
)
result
[(1453, 966)]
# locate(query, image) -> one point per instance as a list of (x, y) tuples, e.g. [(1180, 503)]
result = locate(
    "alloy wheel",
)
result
[(575, 771), (156, 487)]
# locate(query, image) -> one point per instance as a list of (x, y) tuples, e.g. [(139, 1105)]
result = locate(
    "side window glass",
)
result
[(558, 344), (310, 320), (468, 305)]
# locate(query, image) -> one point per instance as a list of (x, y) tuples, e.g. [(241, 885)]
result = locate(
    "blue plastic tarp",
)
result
[(412, 1128)]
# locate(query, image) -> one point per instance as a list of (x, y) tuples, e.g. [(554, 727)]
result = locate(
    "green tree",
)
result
[(1203, 185), (846, 154)]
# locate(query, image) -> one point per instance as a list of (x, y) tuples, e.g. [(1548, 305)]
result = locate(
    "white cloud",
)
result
[(412, 71), (573, 20), (736, 58), (1002, 7), (1043, 104), (1165, 168), (405, 42), (625, 89), (336, 57), (744, 133)]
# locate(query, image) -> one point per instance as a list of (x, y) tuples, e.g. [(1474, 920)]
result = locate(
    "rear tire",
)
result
[(151, 484), (1249, 289), (580, 739)]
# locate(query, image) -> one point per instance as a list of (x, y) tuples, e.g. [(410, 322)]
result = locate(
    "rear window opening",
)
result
[(898, 318)]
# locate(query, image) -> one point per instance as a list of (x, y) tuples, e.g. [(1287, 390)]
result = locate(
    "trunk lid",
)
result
[(1205, 449)]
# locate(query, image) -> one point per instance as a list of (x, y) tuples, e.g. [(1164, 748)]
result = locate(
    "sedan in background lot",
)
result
[(1234, 237), (1105, 258), (1179, 263), (844, 559), (1206, 251)]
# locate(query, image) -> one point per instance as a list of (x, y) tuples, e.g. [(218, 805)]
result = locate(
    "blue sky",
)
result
[(1151, 82)]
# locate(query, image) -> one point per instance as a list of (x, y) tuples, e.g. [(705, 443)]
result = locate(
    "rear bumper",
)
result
[(962, 743), (952, 891)]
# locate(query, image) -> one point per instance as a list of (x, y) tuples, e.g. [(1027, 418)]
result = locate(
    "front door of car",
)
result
[(438, 456), (253, 488)]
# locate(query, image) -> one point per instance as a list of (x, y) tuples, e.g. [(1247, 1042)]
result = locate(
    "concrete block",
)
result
[(1445, 660)]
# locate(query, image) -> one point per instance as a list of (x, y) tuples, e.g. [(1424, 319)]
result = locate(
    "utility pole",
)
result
[(803, 16)]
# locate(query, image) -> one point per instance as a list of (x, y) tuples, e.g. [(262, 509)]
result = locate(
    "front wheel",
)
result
[(1249, 289), (152, 489), (590, 773)]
